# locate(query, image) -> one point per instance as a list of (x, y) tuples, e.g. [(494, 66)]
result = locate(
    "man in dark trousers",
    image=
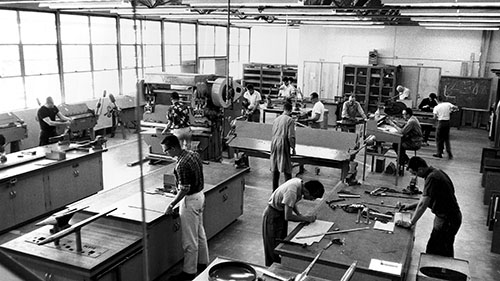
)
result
[(47, 118), (281, 208), (412, 136), (427, 105), (439, 196), (191, 199), (282, 145), (442, 113)]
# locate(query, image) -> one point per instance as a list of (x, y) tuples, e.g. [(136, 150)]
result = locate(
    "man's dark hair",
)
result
[(433, 96), (287, 106), (290, 79), (314, 95), (409, 111), (286, 79), (171, 141), (249, 87), (315, 188), (174, 95), (417, 162)]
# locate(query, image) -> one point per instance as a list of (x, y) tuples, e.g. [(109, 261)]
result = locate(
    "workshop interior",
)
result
[(392, 106)]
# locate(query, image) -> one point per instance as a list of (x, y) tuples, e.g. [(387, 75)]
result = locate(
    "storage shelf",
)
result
[(266, 77)]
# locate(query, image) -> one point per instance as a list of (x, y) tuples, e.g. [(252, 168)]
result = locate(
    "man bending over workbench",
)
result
[(281, 208), (439, 196)]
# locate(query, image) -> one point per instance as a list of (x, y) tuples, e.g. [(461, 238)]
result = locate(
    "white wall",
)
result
[(269, 45)]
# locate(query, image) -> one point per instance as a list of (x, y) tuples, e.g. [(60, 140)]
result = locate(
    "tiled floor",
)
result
[(242, 240)]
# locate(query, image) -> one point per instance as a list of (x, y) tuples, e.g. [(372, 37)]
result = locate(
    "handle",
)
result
[(225, 197), (12, 181), (13, 194)]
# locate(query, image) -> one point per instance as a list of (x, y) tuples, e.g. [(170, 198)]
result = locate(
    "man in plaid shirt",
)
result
[(189, 178), (178, 121)]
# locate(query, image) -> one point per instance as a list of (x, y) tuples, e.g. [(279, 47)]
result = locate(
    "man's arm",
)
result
[(422, 205), (290, 216), (54, 123), (62, 117), (291, 135), (361, 111), (344, 111), (183, 191)]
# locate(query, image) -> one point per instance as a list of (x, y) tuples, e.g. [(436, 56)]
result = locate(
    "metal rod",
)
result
[(350, 271), (334, 232), (78, 234)]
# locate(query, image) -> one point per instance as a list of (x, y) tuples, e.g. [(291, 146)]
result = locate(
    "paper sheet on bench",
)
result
[(386, 266), (316, 227), (384, 226)]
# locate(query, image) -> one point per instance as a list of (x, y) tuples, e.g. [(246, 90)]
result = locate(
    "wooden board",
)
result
[(466, 91)]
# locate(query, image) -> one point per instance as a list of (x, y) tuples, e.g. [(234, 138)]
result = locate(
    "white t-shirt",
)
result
[(320, 109), (253, 99), (289, 193), (287, 91), (405, 94), (443, 110)]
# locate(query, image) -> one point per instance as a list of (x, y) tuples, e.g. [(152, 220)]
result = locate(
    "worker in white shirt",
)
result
[(287, 90), (317, 113), (403, 92), (442, 113), (253, 99)]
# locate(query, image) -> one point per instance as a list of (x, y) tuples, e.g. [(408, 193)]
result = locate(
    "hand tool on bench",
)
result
[(302, 276), (303, 245), (335, 232), (350, 271)]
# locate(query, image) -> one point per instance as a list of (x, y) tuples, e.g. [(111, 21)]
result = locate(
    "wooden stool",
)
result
[(435, 268)]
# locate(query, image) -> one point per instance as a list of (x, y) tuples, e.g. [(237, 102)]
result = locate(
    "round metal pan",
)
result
[(232, 271)]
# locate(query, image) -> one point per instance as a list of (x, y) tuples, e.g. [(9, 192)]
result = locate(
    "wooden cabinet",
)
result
[(371, 84), (266, 78)]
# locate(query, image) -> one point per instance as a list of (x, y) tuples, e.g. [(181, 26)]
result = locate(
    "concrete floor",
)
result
[(242, 239)]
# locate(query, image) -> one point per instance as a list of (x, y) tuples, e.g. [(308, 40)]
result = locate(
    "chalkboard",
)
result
[(466, 91)]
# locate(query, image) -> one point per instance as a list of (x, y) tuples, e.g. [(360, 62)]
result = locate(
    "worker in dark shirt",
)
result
[(46, 116), (439, 196), (191, 199), (427, 105), (178, 120), (412, 135)]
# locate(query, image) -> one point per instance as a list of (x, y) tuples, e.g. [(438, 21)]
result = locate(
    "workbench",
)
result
[(224, 187), (31, 185), (295, 112), (361, 246), (326, 148), (274, 268)]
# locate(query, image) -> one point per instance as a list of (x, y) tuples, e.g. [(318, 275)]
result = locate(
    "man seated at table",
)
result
[(317, 113), (350, 110), (281, 208), (412, 136)]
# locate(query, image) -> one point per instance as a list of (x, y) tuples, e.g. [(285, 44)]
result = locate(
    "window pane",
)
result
[(172, 35), (9, 33), (152, 55), (152, 70), (236, 70), (128, 56), (127, 33), (172, 55), (206, 35), (10, 64), (188, 33), (151, 32), (15, 89), (40, 59), (103, 30), (244, 36), (75, 29), (233, 55), (244, 53), (78, 87), (220, 41), (188, 53), (106, 80), (76, 58), (105, 57), (38, 28), (234, 36), (173, 69), (42, 87), (129, 81)]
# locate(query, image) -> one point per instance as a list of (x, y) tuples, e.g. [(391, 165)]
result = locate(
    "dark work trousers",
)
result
[(255, 116), (443, 136), (276, 178), (443, 235), (405, 145), (45, 136), (274, 226), (426, 131)]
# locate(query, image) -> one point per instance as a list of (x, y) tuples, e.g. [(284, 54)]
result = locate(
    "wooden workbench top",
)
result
[(32, 160), (128, 200), (361, 245)]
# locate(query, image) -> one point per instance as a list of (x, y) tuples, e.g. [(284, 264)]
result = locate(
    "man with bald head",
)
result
[(47, 118)]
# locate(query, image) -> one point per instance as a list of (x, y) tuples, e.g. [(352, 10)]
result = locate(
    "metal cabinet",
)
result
[(74, 181), (22, 199)]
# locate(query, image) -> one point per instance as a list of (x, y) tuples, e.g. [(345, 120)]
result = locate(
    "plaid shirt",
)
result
[(178, 114), (189, 172)]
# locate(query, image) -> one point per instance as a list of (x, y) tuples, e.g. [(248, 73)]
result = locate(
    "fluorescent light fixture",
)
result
[(459, 24), (462, 28), (86, 5), (345, 26), (431, 3), (455, 19), (451, 13)]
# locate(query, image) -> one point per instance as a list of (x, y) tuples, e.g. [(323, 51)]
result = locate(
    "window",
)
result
[(172, 46), (151, 33), (220, 41), (128, 54), (206, 39), (9, 33)]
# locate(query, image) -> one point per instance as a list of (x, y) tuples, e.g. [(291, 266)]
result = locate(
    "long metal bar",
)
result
[(334, 232)]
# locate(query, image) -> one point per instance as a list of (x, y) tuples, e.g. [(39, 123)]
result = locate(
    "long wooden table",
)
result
[(316, 147), (224, 186), (361, 246), (31, 185)]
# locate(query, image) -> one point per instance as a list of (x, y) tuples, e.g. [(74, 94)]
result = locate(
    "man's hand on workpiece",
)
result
[(170, 210), (404, 224), (310, 218)]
